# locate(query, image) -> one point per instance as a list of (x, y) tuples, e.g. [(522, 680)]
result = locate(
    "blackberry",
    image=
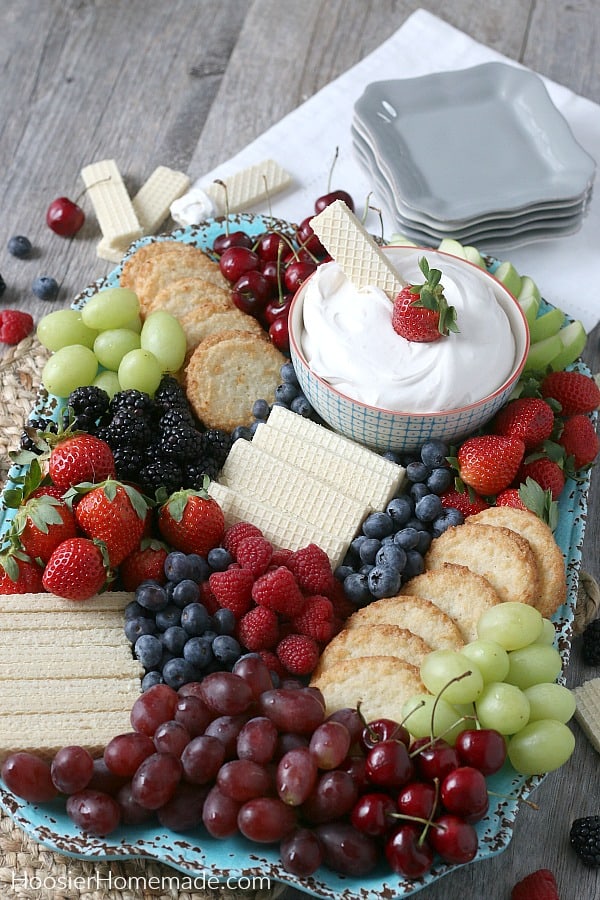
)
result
[(161, 473), (585, 839), (129, 461), (170, 394), (591, 643), (35, 424), (128, 430), (182, 443), (137, 402), (89, 404), (218, 444), (172, 418), (194, 472)]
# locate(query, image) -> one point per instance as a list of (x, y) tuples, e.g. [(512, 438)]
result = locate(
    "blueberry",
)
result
[(343, 571), (20, 246), (176, 566), (400, 510), (356, 589), (185, 592), (198, 569), (224, 621), (301, 407), (440, 480), (219, 559), (45, 288), (356, 544), (391, 555), (424, 542), (418, 491), (434, 453), (449, 518), (134, 628), (261, 410), (407, 538), (241, 431), (414, 564), (177, 672), (195, 619), (417, 471), (174, 639), (133, 610), (392, 456), (167, 617), (286, 392), (429, 508), (151, 595), (368, 550), (253, 428), (226, 649), (148, 649), (366, 568), (377, 525), (288, 373), (198, 651), (384, 581), (150, 679)]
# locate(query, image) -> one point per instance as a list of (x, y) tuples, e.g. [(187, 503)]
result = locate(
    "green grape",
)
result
[(532, 665), (550, 701), (111, 308), (447, 720), (503, 707), (540, 747), (490, 658), (111, 346), (511, 624), (548, 633), (108, 381), (441, 666), (63, 327), (163, 335), (69, 368), (140, 370), (135, 324)]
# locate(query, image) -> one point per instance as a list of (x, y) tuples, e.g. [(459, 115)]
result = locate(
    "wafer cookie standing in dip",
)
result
[(354, 250)]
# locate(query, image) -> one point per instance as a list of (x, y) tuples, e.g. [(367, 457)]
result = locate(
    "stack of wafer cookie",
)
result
[(498, 555)]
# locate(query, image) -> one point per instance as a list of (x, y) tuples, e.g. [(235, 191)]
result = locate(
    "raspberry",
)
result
[(342, 606), (312, 569), (254, 552), (236, 533), (272, 663), (14, 326), (208, 599), (316, 619), (258, 629), (298, 654), (539, 885), (591, 643), (278, 590), (233, 589), (281, 557)]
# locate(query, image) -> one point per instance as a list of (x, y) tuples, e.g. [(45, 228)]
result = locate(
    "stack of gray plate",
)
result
[(480, 155)]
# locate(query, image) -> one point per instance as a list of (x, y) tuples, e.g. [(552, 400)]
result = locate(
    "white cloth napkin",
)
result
[(566, 269)]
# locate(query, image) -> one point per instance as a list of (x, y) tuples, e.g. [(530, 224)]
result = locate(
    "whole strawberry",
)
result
[(113, 513), (146, 562), (529, 419), (19, 574), (546, 472), (421, 312), (465, 501), (191, 521), (80, 458), (576, 392), (580, 442), (539, 885), (489, 462), (41, 524), (77, 569)]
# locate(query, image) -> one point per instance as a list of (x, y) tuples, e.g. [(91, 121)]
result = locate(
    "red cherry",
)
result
[(327, 199), (296, 274), (279, 333), (275, 309), (234, 239), (406, 854), (389, 765), (436, 760), (356, 767), (64, 217), (454, 839), (482, 748), (464, 793), (372, 814), (236, 261), (383, 730), (418, 799), (271, 270), (308, 239), (251, 292), (268, 244)]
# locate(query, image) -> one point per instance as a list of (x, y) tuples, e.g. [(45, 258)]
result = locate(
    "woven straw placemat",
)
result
[(28, 870)]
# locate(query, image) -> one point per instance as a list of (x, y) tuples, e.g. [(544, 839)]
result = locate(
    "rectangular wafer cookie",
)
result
[(153, 200), (355, 250), (114, 210), (283, 529), (248, 186), (587, 712)]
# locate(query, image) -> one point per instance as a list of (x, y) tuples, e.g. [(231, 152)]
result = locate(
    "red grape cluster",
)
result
[(265, 272), (237, 755)]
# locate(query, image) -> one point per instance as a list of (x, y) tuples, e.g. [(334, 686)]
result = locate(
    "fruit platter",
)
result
[(364, 871)]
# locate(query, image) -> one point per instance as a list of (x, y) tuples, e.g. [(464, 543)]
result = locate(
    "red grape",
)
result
[(155, 780), (29, 777), (94, 811)]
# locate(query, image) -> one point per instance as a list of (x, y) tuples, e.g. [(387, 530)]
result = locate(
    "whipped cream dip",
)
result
[(348, 339)]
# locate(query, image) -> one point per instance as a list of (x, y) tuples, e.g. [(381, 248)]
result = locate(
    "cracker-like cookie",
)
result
[(499, 554), (418, 615), (227, 372), (373, 640), (381, 684), (210, 318), (162, 264), (552, 587), (459, 592), (187, 294)]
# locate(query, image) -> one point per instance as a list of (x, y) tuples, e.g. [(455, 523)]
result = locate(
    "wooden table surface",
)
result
[(188, 83)]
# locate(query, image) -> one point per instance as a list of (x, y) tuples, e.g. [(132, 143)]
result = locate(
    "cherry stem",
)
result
[(367, 208), (89, 186), (335, 157), (268, 193), (446, 686), (224, 186), (513, 797)]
